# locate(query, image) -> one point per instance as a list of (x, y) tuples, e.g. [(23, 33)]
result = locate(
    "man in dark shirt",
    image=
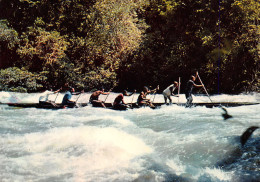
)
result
[(189, 88), (94, 98), (119, 102), (142, 100)]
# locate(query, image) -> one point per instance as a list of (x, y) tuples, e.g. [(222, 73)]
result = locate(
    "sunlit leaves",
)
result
[(15, 79), (114, 30), (43, 45), (8, 36)]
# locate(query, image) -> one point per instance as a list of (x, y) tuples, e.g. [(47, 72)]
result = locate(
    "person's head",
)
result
[(145, 89), (192, 78), (124, 92), (121, 96), (175, 84), (71, 89)]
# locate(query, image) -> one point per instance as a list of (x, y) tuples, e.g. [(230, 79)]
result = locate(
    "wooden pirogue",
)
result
[(109, 105), (44, 105)]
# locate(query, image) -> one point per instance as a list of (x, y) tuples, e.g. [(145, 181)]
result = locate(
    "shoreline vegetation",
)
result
[(127, 44)]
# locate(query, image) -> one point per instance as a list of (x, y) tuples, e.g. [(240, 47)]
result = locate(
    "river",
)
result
[(172, 143)]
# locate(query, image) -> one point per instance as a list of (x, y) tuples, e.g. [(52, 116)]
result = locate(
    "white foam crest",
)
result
[(117, 119), (176, 165), (87, 135), (144, 110), (198, 173), (81, 150), (100, 115), (170, 109), (219, 174)]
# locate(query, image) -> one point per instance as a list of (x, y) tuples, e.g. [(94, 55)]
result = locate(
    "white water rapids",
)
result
[(172, 143)]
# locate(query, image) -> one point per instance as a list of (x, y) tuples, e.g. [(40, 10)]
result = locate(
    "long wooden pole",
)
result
[(155, 93), (132, 98), (78, 98), (204, 88), (108, 94), (56, 97), (179, 85), (154, 96)]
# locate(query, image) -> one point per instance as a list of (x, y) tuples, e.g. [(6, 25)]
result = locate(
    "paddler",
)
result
[(189, 88), (94, 98), (142, 100), (44, 101), (119, 102), (66, 101), (169, 91)]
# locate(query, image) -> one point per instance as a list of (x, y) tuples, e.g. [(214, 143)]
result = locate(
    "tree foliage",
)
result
[(40, 48), (8, 44), (20, 80), (131, 43)]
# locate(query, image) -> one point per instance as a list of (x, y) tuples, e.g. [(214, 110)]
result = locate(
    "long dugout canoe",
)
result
[(209, 105), (41, 106)]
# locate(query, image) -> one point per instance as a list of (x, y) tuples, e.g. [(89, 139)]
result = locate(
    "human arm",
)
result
[(76, 93), (174, 95), (154, 90), (131, 93), (195, 85), (105, 93), (173, 87), (57, 90)]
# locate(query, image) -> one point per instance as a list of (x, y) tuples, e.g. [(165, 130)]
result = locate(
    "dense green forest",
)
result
[(126, 44)]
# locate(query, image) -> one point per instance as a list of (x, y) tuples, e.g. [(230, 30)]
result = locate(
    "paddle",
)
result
[(245, 136), (179, 90), (204, 88), (56, 97), (133, 98), (108, 94), (155, 93), (78, 98)]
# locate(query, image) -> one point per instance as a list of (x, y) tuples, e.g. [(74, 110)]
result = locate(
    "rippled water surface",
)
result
[(171, 143)]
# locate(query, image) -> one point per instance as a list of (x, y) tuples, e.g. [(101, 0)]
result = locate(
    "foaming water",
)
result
[(172, 143)]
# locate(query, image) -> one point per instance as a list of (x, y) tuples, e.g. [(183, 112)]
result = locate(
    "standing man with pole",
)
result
[(189, 88)]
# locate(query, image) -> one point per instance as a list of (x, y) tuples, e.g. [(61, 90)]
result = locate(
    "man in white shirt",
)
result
[(169, 91)]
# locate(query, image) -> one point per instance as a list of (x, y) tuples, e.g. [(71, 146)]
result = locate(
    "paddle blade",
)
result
[(225, 115), (245, 136)]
